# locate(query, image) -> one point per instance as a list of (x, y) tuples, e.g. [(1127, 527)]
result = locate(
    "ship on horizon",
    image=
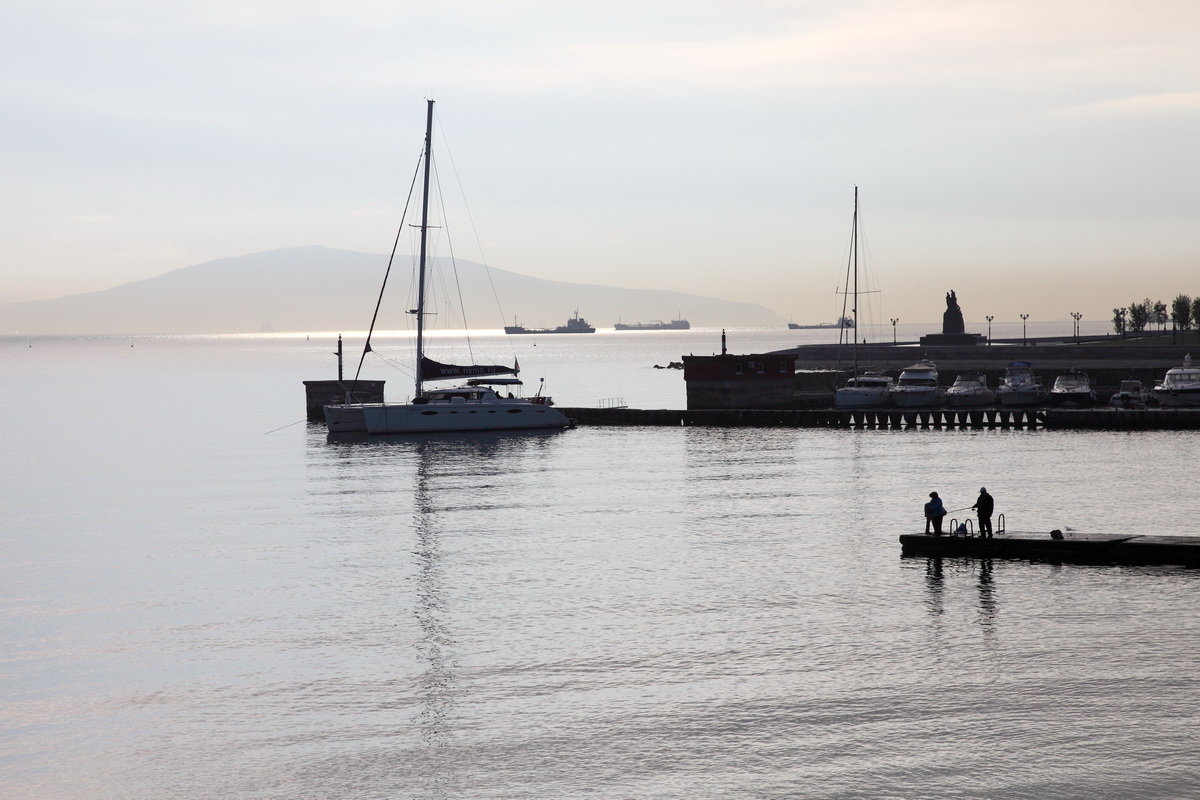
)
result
[(653, 325), (843, 322), (575, 324)]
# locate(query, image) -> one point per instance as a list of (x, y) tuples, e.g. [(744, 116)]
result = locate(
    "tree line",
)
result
[(1136, 317)]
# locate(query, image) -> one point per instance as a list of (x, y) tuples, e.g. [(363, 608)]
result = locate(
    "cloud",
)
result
[(91, 219)]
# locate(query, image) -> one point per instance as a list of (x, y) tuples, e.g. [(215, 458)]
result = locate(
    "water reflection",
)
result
[(433, 645), (987, 596), (934, 586)]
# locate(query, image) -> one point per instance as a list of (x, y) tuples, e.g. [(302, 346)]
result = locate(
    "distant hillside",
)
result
[(320, 289)]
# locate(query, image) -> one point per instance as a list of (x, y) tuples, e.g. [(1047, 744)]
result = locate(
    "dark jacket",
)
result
[(985, 504), (934, 508)]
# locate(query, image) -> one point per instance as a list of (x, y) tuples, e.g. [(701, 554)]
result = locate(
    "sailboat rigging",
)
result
[(871, 388), (475, 406)]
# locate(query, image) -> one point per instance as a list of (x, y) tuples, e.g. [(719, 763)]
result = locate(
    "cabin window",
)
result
[(514, 411), (428, 413)]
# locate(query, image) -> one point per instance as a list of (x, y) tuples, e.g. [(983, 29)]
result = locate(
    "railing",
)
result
[(967, 525), (1000, 524), (611, 402)]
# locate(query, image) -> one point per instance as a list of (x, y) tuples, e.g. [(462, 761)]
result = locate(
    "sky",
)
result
[(1036, 157)]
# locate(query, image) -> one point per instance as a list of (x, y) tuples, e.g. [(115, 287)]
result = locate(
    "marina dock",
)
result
[(1074, 547), (1117, 419)]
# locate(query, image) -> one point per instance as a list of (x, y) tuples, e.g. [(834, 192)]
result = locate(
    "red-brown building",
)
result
[(747, 381)]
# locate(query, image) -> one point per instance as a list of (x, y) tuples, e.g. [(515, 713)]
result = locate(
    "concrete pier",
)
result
[(1074, 547), (901, 419)]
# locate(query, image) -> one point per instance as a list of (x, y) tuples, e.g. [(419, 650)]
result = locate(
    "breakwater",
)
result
[(899, 419)]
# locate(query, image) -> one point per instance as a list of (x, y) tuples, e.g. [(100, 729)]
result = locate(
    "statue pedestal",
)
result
[(953, 339)]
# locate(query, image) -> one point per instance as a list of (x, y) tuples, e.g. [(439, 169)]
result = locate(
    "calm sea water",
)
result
[(203, 598)]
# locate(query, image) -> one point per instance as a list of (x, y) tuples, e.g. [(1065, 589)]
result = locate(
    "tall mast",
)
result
[(424, 232), (854, 310)]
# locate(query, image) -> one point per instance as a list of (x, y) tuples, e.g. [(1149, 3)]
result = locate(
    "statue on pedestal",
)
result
[(952, 319)]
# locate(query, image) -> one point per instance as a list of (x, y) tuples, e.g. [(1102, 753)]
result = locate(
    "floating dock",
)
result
[(900, 419), (1074, 547)]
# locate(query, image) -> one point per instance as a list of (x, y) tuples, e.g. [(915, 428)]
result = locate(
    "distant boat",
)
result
[(473, 406), (575, 324), (843, 322), (654, 325)]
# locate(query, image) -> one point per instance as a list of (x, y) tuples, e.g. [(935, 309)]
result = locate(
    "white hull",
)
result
[(493, 416), (1073, 399), (1184, 398), (916, 398), (1021, 397), (860, 398), (345, 419), (984, 397)]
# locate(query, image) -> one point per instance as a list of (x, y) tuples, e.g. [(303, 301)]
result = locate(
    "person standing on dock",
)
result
[(983, 506), (934, 512)]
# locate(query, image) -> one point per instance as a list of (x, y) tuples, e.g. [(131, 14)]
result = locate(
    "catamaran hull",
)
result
[(409, 418), (345, 419)]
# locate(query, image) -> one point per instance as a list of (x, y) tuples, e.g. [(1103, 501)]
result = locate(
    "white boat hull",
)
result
[(972, 399), (916, 398), (1182, 398), (1021, 397), (345, 419), (427, 418), (860, 398)]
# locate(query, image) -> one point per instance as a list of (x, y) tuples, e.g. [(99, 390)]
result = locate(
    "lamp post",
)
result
[(1077, 317), (989, 318), (894, 321), (1024, 339)]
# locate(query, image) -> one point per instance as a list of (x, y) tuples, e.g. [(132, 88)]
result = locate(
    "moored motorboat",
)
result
[(1020, 386), (1073, 390), (871, 389), (970, 389), (1180, 387), (917, 387), (1131, 394)]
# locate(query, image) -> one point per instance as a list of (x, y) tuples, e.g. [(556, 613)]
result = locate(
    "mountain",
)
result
[(320, 289)]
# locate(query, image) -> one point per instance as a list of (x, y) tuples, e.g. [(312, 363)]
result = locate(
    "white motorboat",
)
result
[(475, 406), (1074, 390), (1131, 394), (872, 389), (970, 389), (917, 387), (1180, 387), (1020, 386)]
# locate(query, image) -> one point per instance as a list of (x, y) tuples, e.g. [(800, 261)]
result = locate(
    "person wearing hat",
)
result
[(983, 506), (934, 512)]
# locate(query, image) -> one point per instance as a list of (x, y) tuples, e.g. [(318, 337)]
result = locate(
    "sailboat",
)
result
[(872, 388), (476, 405)]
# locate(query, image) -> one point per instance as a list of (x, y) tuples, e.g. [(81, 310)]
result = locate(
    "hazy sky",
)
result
[(1038, 157)]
